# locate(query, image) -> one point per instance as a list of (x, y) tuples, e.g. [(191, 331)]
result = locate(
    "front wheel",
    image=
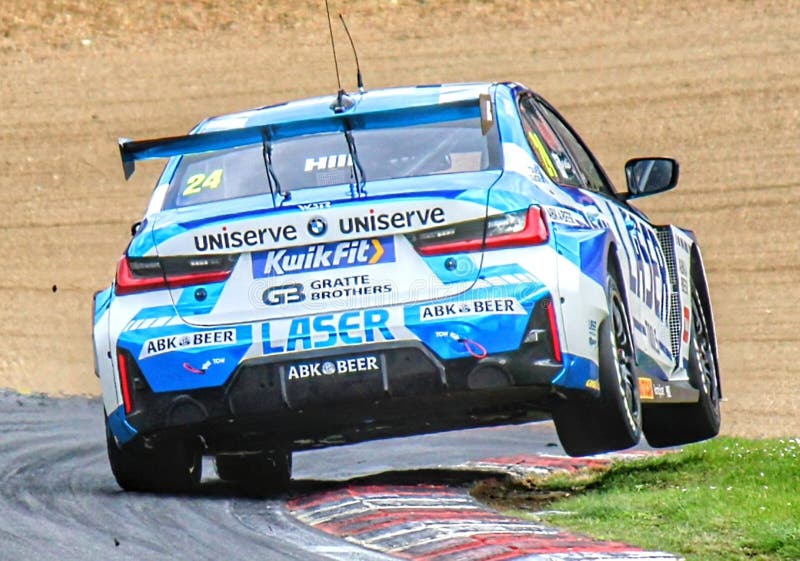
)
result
[(613, 421), (672, 425)]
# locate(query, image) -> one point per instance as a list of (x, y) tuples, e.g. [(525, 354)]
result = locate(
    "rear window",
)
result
[(324, 159)]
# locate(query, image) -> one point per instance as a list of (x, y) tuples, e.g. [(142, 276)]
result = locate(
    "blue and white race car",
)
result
[(394, 262)]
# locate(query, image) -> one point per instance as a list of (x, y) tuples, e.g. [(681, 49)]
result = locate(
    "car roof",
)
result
[(364, 102)]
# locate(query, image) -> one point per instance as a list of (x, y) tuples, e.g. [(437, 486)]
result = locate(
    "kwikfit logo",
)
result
[(323, 256)]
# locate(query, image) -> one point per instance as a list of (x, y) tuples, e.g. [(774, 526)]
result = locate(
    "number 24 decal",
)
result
[(200, 181)]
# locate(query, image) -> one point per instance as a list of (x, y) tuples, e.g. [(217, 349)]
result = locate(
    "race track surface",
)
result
[(404, 498)]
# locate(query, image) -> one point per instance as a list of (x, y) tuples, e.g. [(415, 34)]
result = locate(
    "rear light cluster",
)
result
[(519, 228), (152, 273), (542, 331), (131, 380), (125, 382), (554, 338)]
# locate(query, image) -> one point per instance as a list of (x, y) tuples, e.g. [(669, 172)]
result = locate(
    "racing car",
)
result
[(393, 262)]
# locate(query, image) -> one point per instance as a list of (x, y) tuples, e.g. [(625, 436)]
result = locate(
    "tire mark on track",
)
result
[(58, 498)]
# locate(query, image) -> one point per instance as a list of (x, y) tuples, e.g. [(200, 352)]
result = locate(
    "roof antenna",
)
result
[(343, 102), (359, 80)]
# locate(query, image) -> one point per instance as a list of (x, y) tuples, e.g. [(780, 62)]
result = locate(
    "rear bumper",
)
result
[(314, 399)]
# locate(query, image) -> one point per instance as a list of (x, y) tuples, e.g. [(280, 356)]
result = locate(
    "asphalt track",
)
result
[(58, 499)]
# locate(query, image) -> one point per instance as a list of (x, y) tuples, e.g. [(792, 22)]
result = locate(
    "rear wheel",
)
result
[(671, 425), (613, 420), (268, 471), (173, 467)]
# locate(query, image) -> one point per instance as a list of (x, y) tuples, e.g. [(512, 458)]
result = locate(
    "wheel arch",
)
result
[(103, 349), (614, 266)]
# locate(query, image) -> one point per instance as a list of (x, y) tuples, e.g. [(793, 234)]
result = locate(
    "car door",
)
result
[(641, 255)]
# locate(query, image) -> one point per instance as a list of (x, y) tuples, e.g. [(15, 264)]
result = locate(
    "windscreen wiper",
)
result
[(272, 179), (359, 178)]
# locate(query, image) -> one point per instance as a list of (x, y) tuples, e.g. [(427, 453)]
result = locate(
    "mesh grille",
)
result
[(665, 239)]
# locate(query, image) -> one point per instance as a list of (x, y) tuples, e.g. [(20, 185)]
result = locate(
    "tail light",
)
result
[(153, 273), (551, 316), (524, 227), (125, 382)]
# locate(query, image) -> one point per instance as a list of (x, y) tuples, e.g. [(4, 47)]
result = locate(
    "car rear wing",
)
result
[(167, 147)]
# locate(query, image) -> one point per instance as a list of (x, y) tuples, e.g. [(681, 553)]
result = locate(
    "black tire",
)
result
[(673, 425), (266, 471), (174, 467), (613, 420)]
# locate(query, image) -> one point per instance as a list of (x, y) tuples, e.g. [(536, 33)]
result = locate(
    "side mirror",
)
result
[(135, 227), (647, 176)]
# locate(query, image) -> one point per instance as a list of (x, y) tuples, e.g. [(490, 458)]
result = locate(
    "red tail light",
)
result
[(124, 382), (127, 281), (527, 227), (551, 316), (152, 273)]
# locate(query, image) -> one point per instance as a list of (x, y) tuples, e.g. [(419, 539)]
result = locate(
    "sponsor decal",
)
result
[(466, 308), (662, 392), (284, 294), (650, 331), (324, 289), (648, 274), (314, 206), (686, 324), (343, 287), (646, 388), (321, 257), (535, 174), (160, 345), (469, 345), (317, 226), (380, 222), (592, 333), (593, 385), (207, 364), (252, 237), (189, 368), (341, 367), (334, 161), (684, 276), (326, 331), (564, 216)]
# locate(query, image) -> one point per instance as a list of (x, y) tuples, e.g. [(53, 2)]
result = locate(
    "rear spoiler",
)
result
[(132, 150)]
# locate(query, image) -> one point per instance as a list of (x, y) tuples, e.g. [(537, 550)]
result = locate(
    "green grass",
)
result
[(725, 499)]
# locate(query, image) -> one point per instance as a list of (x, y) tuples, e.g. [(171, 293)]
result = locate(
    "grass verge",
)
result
[(727, 499)]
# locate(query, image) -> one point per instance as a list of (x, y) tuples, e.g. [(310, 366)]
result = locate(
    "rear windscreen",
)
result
[(320, 160)]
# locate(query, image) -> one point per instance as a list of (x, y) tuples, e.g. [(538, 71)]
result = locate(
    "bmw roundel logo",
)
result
[(317, 226)]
